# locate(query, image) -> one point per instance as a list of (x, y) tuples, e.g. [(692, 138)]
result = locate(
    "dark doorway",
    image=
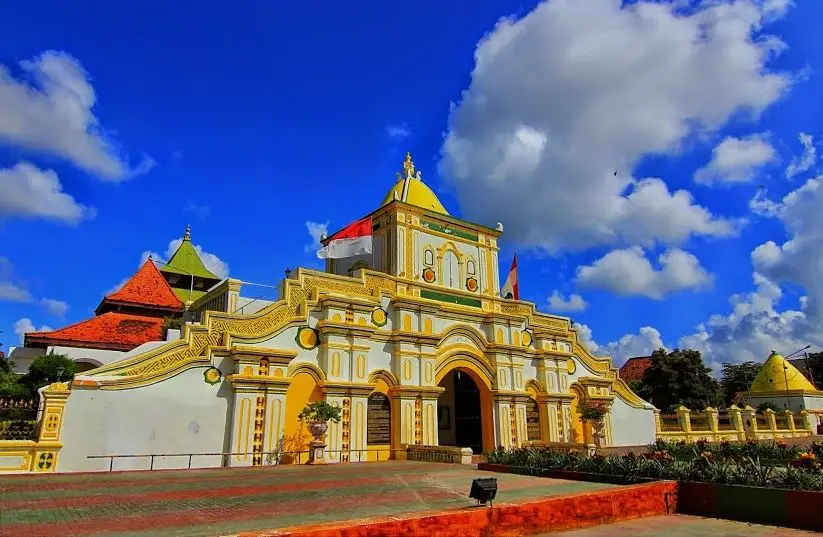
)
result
[(459, 412), (467, 412)]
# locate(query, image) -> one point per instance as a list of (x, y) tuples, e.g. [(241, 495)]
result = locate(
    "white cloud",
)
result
[(398, 131), (629, 272), (316, 230), (751, 330), (24, 326), (51, 111), (575, 302), (645, 342), (55, 307), (756, 323), (736, 160), (211, 261), (200, 211), (573, 91), (804, 161), (26, 191), (11, 290)]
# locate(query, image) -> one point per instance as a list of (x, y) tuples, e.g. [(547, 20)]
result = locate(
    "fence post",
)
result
[(683, 416), (771, 422), (54, 397), (749, 422), (806, 418), (790, 421), (737, 422)]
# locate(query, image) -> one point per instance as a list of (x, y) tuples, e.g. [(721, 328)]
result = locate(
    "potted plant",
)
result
[(594, 411), (317, 416)]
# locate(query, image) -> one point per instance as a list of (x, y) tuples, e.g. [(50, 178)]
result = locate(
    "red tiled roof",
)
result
[(634, 368), (112, 330), (146, 288)]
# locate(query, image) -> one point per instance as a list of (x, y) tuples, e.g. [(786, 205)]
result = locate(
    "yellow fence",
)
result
[(39, 455), (733, 424)]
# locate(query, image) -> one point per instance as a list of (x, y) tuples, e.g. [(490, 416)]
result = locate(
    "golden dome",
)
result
[(411, 189), (779, 375)]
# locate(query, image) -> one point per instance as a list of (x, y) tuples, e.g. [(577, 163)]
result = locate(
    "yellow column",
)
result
[(683, 415), (737, 422), (772, 423), (48, 444)]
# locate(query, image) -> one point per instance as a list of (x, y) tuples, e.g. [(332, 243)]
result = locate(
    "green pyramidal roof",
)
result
[(186, 260)]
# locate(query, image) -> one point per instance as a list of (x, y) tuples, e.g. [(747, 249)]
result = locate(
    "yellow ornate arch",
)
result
[(384, 375), (475, 335), (467, 358), (305, 367), (535, 385)]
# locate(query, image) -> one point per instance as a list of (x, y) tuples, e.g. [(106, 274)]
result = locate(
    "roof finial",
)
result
[(187, 234), (408, 169)]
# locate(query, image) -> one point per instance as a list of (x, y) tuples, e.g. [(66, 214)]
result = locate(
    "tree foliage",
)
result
[(9, 381), (680, 377), (816, 369), (49, 368), (736, 380)]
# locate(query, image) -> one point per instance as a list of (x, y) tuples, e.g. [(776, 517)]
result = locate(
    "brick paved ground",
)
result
[(209, 503), (682, 526)]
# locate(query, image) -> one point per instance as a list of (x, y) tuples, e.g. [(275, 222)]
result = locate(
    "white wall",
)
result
[(631, 426), (183, 414)]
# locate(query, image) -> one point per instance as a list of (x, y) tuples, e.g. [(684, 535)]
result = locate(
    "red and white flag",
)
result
[(511, 288), (354, 239)]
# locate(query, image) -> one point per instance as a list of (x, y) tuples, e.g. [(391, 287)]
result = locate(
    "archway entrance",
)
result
[(460, 411)]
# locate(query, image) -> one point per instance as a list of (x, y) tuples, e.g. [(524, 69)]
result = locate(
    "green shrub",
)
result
[(723, 463)]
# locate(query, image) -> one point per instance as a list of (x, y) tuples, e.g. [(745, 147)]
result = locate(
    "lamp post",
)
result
[(60, 371)]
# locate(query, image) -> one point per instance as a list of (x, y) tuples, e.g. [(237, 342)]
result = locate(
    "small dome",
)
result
[(411, 189), (779, 375)]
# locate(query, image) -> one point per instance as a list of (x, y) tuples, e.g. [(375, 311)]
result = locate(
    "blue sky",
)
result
[(120, 124)]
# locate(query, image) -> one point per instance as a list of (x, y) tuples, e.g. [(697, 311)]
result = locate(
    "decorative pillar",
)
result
[(568, 425), (684, 417), (258, 416), (521, 427), (48, 444), (416, 415), (747, 414), (806, 421), (771, 422), (789, 420), (347, 441), (737, 422), (711, 417), (657, 426)]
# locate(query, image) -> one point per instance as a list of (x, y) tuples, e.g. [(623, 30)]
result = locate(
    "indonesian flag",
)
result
[(354, 239), (511, 289)]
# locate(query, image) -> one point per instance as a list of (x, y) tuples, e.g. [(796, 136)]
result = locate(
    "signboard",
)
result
[(378, 420), (532, 420)]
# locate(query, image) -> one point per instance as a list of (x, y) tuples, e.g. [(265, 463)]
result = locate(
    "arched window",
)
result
[(470, 268), (451, 270), (533, 421), (428, 258)]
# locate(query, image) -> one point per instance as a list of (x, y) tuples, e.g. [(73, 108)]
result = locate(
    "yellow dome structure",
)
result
[(779, 375), (411, 189)]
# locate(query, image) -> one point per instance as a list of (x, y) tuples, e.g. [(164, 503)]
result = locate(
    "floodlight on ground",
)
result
[(484, 490)]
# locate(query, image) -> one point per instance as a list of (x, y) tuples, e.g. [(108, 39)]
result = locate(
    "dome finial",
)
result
[(187, 233), (408, 168)]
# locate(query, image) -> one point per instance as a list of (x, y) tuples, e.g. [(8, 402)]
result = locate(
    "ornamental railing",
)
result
[(18, 418), (732, 424)]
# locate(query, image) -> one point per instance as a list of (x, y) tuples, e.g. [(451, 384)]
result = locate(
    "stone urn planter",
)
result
[(594, 412), (317, 416)]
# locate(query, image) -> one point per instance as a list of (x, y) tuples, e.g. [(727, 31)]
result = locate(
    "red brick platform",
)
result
[(390, 498)]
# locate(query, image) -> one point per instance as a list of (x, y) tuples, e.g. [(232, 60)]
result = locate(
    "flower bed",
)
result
[(786, 468), (731, 482)]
